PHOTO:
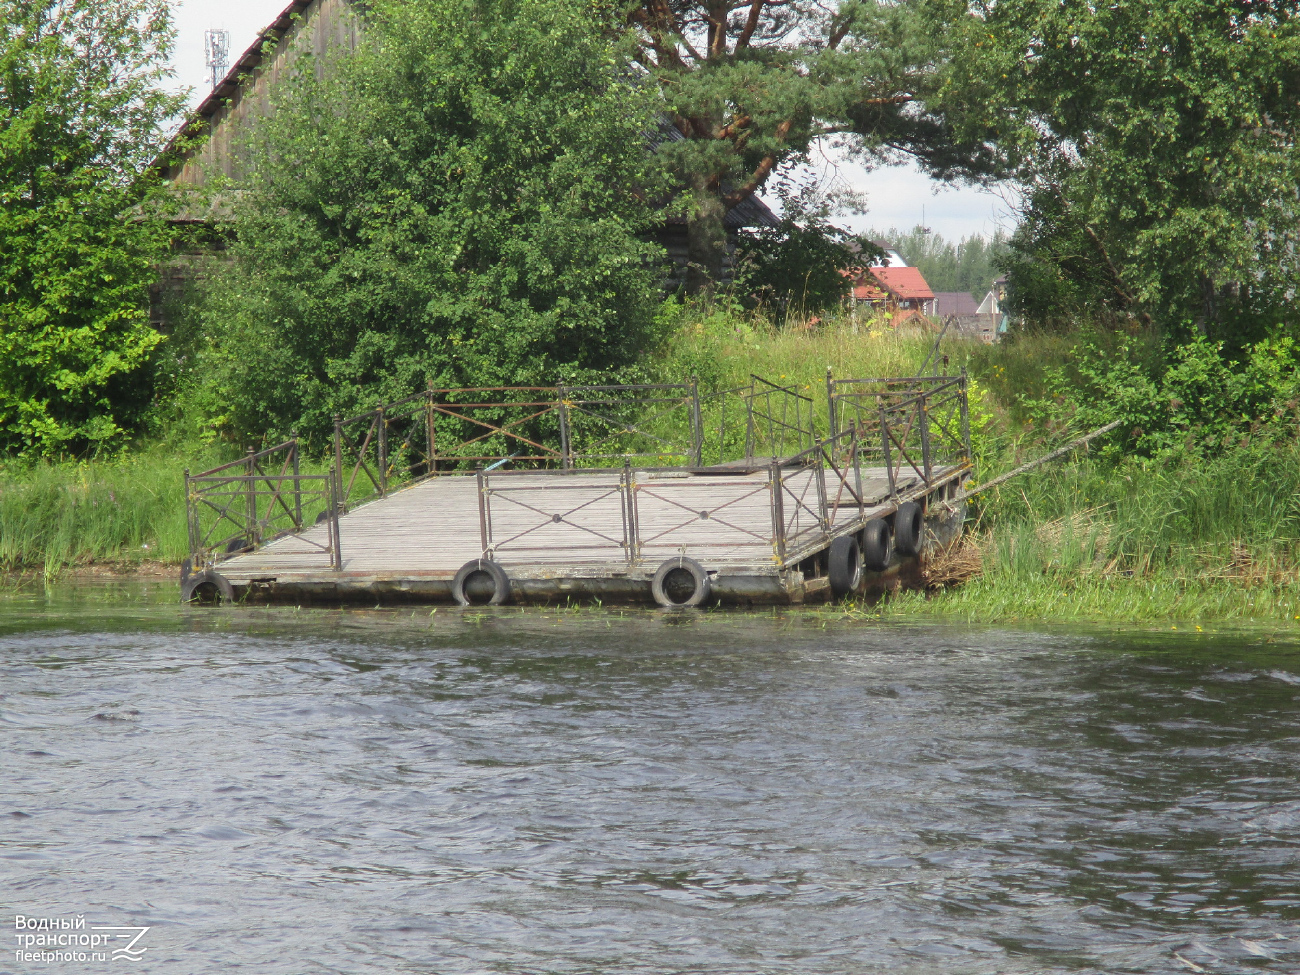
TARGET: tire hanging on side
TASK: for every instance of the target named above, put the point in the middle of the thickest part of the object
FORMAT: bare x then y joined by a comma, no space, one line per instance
909,525
471,585
680,583
208,586
877,545
844,565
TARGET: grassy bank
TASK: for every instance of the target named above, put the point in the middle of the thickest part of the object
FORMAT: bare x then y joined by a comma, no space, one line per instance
124,510
1182,538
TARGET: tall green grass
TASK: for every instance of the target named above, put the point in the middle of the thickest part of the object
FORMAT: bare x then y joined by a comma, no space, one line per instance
723,348
1160,597
127,509
1193,541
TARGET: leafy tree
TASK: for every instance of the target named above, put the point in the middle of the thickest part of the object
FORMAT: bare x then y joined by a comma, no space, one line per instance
1156,148
969,264
82,116
457,201
755,85
797,267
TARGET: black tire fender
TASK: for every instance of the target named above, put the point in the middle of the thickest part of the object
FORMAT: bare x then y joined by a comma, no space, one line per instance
467,588
207,586
668,583
877,545
844,565
909,523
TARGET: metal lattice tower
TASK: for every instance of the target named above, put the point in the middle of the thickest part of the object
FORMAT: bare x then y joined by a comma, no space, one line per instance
216,51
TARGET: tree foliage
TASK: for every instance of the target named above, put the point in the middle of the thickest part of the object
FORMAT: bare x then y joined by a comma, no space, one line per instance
755,85
797,267
83,115
1156,148
458,201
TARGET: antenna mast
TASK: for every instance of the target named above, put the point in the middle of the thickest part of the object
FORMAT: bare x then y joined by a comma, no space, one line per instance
216,52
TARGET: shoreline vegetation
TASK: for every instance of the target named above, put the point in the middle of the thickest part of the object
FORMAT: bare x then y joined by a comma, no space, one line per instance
1095,537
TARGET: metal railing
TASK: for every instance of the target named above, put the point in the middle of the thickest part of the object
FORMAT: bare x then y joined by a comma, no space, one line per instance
804,500
442,431
240,506
916,428
779,421
912,426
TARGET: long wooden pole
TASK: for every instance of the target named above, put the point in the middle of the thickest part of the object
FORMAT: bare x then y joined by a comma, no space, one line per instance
1025,468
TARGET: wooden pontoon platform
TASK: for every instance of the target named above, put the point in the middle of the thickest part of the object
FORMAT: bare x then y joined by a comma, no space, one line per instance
751,530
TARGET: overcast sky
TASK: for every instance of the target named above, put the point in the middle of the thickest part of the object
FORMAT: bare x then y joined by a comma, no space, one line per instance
896,196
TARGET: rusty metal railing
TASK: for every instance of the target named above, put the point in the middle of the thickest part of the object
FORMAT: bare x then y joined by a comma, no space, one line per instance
241,506
913,426
802,502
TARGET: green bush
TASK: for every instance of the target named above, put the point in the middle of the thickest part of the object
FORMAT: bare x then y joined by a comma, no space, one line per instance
83,115
1201,403
457,201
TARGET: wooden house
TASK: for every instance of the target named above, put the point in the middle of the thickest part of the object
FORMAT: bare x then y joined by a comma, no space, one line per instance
900,293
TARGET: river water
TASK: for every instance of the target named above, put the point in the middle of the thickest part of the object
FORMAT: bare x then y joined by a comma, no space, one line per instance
374,791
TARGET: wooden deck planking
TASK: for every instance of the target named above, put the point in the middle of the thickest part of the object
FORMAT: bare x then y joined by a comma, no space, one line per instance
432,527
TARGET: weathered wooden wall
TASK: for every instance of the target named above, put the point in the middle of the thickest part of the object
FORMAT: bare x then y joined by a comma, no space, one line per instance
323,28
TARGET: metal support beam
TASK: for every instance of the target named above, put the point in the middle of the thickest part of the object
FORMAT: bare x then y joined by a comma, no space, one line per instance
697,424
336,503
889,464
297,488
778,512
566,448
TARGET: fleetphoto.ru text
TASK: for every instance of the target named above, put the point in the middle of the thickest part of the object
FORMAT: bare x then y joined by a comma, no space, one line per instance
63,940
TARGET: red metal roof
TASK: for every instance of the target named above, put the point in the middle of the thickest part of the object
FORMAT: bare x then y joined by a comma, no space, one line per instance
903,282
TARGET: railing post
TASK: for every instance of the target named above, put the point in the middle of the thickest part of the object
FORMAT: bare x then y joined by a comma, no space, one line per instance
778,512
383,452
857,470
428,429
566,458
481,479
923,418
697,426
250,499
297,486
629,511
889,464
336,482
749,423
190,527
965,414
771,424
830,403
819,448
338,460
